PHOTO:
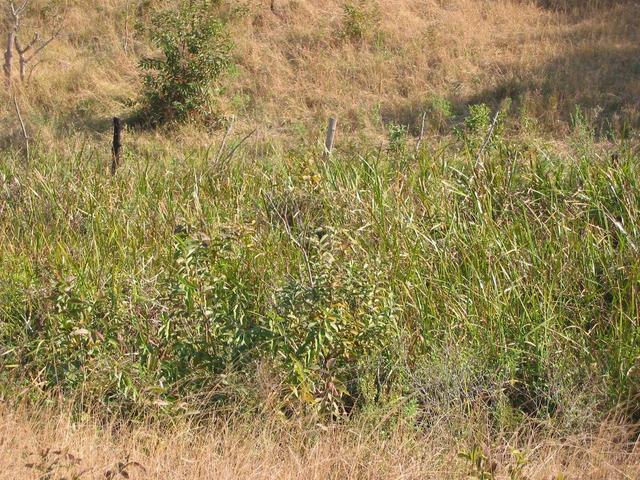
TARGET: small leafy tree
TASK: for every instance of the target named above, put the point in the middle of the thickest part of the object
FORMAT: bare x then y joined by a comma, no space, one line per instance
195,52
397,135
361,21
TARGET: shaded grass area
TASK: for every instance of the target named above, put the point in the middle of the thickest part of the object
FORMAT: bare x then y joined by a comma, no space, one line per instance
597,69
439,279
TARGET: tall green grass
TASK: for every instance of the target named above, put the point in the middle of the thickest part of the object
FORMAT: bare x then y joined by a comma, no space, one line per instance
438,278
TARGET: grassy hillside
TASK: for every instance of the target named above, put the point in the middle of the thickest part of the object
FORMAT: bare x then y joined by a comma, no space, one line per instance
382,63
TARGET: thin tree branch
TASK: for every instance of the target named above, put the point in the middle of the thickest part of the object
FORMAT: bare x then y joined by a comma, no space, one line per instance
21,51
17,11
44,45
32,68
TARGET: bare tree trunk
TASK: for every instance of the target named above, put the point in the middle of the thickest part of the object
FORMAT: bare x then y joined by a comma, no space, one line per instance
8,57
23,65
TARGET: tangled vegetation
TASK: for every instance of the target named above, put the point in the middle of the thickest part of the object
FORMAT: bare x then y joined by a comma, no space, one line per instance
439,278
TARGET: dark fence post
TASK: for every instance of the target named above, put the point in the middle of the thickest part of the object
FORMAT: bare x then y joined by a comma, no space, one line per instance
117,145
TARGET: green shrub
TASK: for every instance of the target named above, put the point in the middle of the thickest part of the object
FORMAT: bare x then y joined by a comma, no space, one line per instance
478,129
397,135
206,321
440,112
479,119
195,52
360,21
319,332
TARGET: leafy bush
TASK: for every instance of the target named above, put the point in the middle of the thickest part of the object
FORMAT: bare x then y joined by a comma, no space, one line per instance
479,118
205,321
397,135
320,331
360,21
440,112
478,126
196,52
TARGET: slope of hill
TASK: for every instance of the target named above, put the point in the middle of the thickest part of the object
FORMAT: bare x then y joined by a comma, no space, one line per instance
387,63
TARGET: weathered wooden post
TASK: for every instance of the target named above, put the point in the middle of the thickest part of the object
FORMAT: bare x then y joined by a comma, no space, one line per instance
117,144
331,135
419,142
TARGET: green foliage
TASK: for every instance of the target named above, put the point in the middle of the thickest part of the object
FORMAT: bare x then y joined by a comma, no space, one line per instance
479,119
439,112
354,284
195,52
516,469
360,22
320,330
479,128
481,467
208,310
397,135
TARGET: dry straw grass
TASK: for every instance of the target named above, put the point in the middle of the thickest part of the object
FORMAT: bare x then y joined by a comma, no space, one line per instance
39,445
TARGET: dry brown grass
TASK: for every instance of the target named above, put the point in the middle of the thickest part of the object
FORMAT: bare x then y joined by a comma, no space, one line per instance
462,50
46,445
295,69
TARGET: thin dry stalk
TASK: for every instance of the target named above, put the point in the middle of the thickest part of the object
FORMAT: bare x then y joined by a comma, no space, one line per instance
23,128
